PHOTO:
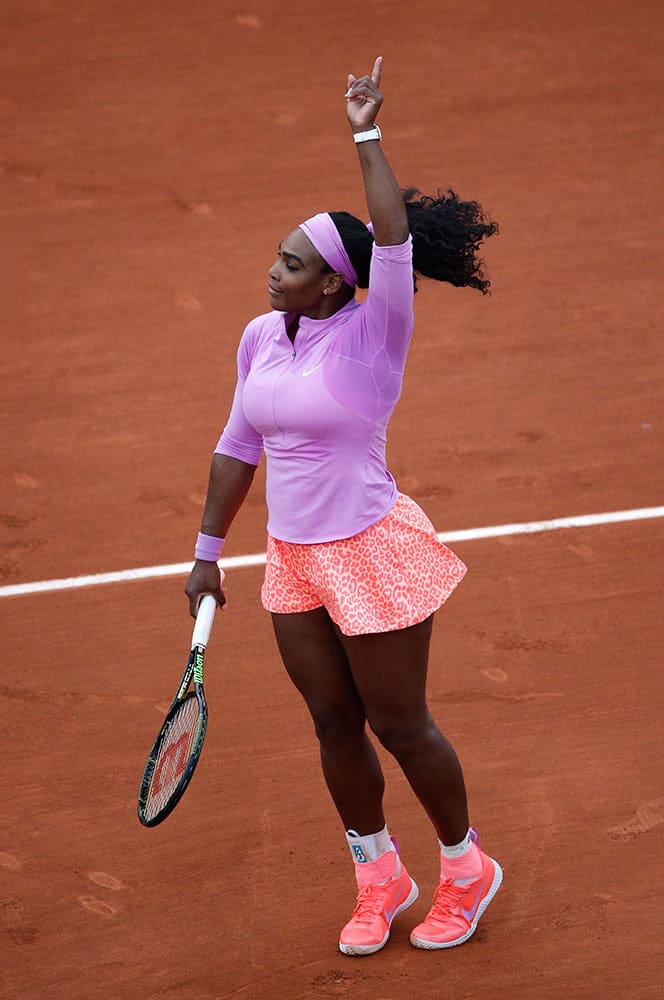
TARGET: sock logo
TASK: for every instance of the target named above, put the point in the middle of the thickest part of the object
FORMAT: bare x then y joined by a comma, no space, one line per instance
359,854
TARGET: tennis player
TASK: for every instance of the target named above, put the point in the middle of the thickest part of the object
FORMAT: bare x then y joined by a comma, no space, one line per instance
354,569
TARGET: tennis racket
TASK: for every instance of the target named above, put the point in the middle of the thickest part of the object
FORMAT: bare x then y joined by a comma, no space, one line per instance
178,746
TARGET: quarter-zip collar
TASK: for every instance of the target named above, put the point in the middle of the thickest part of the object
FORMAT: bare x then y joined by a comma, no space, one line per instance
310,331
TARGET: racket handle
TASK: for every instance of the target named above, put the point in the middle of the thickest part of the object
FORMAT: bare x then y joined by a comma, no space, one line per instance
204,619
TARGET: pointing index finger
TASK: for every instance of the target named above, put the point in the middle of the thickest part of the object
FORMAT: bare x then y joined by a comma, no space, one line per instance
375,72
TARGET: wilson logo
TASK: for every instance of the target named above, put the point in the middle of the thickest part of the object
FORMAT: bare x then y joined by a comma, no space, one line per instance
171,764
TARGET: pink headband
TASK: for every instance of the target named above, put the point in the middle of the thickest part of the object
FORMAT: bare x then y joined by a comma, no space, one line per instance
325,237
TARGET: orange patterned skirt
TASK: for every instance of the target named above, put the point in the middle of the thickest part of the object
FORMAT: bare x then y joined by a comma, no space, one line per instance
393,575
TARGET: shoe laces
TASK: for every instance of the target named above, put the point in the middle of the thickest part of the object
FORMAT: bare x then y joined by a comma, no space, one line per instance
446,897
369,901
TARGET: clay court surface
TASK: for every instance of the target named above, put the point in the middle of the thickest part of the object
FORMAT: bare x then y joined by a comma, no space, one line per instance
152,156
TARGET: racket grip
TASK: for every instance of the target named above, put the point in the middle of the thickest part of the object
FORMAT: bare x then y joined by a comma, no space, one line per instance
204,619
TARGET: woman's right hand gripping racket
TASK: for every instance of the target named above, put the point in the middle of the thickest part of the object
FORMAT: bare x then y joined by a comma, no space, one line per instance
178,746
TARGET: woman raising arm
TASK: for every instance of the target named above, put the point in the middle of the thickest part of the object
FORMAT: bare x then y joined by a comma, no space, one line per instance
354,569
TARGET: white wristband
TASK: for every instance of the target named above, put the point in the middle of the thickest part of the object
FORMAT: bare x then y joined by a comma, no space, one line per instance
372,133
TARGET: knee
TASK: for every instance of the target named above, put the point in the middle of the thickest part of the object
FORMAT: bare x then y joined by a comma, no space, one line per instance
338,729
403,737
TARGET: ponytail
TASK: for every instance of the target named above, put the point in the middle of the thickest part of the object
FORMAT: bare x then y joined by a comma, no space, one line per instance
447,234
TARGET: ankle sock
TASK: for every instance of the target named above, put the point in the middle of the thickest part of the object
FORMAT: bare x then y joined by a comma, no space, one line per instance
369,847
375,855
460,862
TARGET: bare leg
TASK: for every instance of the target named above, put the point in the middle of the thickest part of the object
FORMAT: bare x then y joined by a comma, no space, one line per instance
318,666
390,670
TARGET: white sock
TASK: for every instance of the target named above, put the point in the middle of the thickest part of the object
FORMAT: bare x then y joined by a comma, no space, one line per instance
369,847
460,862
456,850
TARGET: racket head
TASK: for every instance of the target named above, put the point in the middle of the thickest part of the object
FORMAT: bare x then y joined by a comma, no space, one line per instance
176,750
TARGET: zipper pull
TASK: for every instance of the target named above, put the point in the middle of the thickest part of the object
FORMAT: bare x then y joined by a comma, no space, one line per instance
293,355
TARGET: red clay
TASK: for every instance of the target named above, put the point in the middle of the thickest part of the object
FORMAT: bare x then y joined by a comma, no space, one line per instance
152,158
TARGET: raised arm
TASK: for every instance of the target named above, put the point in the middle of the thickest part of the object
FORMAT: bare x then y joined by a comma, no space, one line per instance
384,199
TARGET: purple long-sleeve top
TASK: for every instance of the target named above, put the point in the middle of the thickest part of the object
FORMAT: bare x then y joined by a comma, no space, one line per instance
319,407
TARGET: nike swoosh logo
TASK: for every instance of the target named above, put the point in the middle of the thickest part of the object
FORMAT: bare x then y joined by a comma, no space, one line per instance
470,914
304,374
389,914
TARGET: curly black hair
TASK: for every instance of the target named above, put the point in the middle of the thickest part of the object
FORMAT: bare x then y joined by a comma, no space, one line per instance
357,241
447,234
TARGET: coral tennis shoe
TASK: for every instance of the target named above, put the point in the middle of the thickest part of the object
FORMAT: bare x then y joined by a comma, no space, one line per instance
457,908
378,903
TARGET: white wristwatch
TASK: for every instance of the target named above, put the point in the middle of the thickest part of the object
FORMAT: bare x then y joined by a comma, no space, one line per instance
372,133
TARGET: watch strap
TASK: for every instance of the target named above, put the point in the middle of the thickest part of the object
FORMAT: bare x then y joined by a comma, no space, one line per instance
373,133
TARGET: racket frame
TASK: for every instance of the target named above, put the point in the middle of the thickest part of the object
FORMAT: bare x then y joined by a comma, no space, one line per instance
193,670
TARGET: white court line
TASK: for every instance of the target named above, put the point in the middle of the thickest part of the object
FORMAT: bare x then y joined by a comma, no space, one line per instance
239,562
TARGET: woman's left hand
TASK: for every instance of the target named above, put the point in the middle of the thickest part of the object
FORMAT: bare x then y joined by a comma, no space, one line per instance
363,98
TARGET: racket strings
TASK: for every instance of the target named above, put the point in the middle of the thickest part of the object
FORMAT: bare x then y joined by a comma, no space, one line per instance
173,755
